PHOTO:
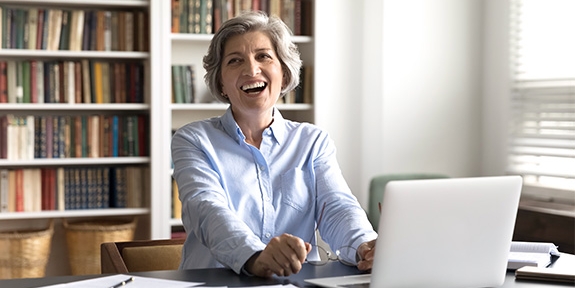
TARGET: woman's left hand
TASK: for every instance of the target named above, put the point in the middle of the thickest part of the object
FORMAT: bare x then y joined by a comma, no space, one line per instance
366,251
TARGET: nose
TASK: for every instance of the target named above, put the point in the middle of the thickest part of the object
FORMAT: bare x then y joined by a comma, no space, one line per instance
252,68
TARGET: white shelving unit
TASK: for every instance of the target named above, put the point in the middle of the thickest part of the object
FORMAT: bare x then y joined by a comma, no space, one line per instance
147,227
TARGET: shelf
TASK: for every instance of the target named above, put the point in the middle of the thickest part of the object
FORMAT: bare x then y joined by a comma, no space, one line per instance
74,161
72,107
207,37
206,106
59,54
83,3
176,222
74,213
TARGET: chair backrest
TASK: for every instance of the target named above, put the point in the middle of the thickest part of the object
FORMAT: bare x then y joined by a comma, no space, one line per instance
377,186
141,255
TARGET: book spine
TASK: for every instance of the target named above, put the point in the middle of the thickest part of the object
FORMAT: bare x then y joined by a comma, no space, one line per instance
4,190
32,28
40,96
3,136
25,83
3,82
40,29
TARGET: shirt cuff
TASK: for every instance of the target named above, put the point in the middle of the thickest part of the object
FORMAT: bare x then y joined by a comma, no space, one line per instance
243,270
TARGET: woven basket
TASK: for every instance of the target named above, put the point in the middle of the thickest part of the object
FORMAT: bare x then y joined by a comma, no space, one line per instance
84,240
24,254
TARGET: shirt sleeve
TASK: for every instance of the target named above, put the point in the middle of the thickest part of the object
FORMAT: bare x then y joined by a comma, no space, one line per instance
205,212
345,223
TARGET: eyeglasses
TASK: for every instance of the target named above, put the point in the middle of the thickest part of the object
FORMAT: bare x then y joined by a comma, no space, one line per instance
320,256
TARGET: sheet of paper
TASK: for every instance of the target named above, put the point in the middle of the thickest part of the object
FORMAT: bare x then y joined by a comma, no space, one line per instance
264,286
139,282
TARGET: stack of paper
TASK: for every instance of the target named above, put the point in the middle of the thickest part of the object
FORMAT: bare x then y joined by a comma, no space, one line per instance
536,254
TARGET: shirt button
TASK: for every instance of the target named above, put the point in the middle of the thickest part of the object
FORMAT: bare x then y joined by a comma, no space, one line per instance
268,235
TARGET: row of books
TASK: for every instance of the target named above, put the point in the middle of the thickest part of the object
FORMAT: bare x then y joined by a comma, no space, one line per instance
183,91
206,16
73,136
75,29
42,189
85,81
303,93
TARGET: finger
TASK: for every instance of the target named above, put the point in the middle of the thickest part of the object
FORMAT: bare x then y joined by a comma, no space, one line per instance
278,255
364,265
308,247
293,253
299,247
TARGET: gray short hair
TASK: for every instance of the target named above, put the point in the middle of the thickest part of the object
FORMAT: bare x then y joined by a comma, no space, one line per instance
250,21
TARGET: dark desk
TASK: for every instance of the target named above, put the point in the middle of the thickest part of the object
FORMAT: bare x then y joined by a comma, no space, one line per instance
225,277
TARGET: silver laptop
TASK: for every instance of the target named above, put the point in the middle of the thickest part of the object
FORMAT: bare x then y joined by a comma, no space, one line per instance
445,233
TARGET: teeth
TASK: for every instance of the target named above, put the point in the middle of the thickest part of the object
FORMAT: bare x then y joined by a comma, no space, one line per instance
253,85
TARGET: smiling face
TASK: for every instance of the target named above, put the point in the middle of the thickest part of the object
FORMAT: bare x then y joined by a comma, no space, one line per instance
252,74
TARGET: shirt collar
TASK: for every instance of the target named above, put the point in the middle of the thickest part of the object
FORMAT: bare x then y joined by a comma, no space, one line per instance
233,129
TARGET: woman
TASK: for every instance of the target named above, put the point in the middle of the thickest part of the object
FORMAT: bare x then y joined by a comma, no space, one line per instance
253,184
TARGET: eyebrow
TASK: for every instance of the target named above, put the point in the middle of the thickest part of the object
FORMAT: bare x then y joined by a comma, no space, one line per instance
257,50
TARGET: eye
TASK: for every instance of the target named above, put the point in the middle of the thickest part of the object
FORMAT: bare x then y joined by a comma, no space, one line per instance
234,60
264,56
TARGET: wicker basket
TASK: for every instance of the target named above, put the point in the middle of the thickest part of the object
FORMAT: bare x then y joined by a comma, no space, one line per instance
24,254
84,240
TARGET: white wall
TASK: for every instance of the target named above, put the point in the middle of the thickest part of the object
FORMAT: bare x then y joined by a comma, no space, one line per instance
404,95
338,78
431,86
495,86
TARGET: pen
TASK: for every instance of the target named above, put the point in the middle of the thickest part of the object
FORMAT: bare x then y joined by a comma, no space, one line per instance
123,282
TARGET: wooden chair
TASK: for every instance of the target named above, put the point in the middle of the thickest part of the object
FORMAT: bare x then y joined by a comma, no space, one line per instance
141,255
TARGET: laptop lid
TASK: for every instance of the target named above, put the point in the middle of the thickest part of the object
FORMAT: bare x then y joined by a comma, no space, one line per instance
446,232
453,232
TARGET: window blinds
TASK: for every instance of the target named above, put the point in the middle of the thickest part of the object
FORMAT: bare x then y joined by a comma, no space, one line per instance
542,128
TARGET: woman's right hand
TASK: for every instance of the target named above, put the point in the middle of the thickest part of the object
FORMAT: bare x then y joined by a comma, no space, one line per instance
283,256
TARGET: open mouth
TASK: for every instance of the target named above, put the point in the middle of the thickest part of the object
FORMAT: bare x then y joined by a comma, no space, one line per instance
254,87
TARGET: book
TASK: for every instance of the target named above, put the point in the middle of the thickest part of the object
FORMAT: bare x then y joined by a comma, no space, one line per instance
128,31
25,82
64,41
40,29
545,274
11,85
76,30
33,28
3,136
87,30
86,81
4,190
177,86
54,29
33,81
3,82
536,254
175,16
40,97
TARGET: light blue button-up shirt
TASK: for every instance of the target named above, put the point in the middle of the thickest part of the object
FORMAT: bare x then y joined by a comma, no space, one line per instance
236,197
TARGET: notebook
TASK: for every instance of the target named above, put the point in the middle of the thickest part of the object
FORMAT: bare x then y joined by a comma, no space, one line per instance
453,232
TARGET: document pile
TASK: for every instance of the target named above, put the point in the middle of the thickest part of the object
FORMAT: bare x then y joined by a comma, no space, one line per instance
536,254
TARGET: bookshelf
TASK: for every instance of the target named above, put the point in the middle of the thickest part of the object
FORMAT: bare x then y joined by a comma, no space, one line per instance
188,49
140,58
